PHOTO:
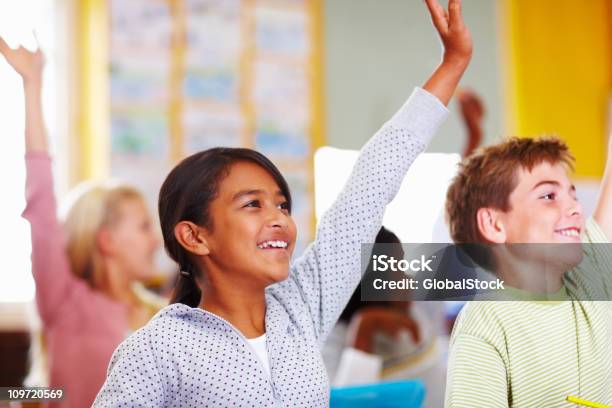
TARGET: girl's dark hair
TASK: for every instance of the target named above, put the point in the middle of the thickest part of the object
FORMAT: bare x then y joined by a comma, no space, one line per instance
186,195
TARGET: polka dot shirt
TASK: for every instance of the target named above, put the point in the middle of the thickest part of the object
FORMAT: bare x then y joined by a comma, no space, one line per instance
188,357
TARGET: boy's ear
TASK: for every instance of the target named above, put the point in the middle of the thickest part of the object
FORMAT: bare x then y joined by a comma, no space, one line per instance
490,225
191,237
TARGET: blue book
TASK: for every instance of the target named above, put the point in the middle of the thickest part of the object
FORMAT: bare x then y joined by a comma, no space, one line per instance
392,394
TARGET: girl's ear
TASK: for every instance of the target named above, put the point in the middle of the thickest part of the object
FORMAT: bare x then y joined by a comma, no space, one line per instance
490,226
191,237
104,241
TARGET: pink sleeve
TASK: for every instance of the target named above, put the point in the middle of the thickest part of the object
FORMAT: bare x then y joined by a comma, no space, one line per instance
50,267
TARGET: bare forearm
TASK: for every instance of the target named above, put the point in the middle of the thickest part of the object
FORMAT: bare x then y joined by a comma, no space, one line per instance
603,209
473,140
35,132
443,82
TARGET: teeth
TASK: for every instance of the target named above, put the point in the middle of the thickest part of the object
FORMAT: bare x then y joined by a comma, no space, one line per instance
273,244
569,232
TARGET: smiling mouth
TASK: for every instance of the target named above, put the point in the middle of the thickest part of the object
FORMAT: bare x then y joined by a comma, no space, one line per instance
279,244
571,232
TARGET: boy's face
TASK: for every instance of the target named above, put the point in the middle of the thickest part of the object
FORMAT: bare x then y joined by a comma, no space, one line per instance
544,208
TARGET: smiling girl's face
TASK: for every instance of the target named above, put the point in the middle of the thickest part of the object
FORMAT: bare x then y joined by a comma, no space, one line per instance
252,234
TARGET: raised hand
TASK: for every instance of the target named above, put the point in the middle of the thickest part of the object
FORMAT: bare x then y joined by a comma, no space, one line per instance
26,63
472,111
30,66
454,34
457,43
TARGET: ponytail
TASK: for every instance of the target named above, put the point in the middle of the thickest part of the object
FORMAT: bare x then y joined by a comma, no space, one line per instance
186,290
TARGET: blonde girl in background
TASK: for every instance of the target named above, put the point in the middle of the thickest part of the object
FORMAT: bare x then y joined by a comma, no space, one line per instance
85,269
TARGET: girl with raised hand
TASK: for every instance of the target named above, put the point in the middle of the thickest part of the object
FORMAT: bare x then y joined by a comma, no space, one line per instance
85,269
246,326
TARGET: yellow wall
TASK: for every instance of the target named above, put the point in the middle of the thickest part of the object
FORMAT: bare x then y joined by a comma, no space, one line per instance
92,91
558,73
317,102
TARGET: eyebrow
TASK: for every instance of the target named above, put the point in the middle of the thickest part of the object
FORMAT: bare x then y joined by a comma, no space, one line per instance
554,183
243,193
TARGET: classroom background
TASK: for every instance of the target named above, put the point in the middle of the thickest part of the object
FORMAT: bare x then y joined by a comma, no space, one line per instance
132,87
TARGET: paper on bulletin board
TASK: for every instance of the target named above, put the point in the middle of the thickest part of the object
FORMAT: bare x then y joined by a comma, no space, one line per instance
139,72
212,114
140,25
212,68
281,95
214,26
135,80
207,127
140,132
140,40
277,83
282,31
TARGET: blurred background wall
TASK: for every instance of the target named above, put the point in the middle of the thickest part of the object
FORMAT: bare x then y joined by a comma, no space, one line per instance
376,52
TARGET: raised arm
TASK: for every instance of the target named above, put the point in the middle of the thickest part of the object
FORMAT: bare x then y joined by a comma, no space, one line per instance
49,263
330,268
29,65
472,111
603,209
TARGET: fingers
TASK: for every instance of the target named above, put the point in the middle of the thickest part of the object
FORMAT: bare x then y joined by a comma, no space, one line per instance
455,14
3,46
438,15
466,95
472,101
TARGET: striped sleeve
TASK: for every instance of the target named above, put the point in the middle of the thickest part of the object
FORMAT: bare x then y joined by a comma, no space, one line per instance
476,374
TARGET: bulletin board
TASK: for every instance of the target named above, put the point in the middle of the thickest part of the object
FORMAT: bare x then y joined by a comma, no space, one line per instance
187,75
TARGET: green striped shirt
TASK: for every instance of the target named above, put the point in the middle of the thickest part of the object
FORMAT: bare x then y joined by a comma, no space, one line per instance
535,354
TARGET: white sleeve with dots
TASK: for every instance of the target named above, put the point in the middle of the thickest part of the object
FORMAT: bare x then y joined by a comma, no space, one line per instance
330,268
